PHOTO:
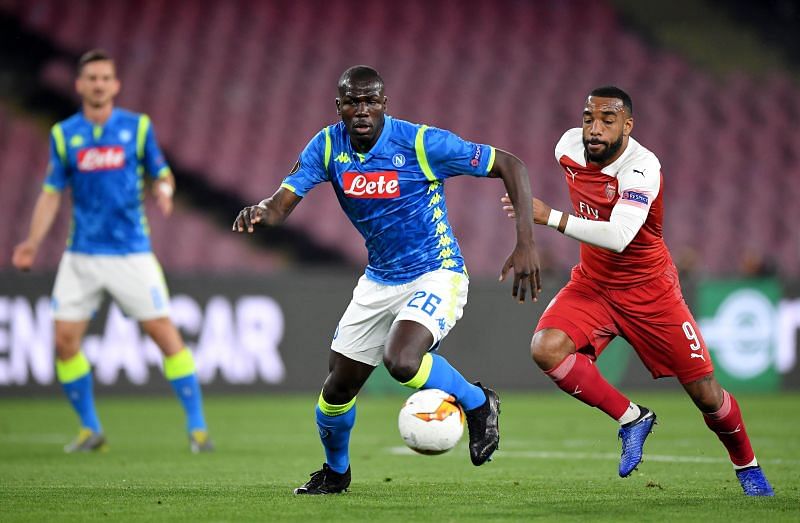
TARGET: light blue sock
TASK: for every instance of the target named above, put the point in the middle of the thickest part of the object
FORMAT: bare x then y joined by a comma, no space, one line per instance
334,432
81,394
188,391
445,377
180,371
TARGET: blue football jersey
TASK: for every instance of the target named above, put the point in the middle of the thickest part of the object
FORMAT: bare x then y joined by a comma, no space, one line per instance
104,167
394,194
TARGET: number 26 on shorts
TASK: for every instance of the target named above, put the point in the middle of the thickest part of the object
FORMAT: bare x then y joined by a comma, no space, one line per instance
427,305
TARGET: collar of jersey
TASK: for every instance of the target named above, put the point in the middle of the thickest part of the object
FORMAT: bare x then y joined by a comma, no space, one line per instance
110,121
382,139
613,168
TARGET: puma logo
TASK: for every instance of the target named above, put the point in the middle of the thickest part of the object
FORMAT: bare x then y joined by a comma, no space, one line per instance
738,429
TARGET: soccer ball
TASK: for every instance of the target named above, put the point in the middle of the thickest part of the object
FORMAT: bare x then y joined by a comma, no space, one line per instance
431,421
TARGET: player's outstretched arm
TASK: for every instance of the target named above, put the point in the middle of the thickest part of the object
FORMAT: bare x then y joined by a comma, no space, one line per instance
614,235
272,211
541,212
524,259
43,216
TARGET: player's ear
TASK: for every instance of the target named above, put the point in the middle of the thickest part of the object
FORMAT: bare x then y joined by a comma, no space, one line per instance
627,126
338,107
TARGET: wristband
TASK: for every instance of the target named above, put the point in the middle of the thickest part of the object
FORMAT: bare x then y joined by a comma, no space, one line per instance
554,219
166,189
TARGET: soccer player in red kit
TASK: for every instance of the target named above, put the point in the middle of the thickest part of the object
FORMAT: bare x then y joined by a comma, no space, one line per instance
626,285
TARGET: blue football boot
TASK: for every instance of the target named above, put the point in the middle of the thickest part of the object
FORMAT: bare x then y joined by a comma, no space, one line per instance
633,436
754,482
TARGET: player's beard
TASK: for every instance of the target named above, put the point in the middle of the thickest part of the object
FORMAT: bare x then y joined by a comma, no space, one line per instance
610,150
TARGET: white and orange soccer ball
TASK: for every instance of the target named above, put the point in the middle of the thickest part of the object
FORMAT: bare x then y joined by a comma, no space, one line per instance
431,421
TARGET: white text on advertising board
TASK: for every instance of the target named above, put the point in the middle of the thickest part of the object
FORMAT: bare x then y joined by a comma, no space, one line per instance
235,341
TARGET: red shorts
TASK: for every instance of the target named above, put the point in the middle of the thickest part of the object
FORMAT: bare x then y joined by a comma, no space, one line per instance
653,317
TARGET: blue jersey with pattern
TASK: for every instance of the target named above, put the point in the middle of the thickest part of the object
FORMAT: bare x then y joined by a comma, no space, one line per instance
394,194
104,166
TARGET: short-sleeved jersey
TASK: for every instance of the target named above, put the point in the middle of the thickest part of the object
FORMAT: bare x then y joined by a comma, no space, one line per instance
633,179
104,167
394,194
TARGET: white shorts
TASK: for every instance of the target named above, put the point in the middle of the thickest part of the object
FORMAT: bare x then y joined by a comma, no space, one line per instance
134,281
435,300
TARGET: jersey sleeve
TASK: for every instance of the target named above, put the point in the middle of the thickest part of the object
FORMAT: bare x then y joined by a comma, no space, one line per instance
311,168
638,184
442,154
570,145
148,150
56,178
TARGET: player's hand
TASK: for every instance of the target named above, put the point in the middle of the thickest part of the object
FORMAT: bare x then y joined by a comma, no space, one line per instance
525,262
24,255
249,216
541,211
163,191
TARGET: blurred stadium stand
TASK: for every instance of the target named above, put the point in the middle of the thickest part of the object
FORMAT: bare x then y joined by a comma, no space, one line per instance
237,88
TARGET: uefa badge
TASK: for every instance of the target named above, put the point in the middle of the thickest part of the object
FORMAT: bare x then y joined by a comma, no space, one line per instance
398,160
611,191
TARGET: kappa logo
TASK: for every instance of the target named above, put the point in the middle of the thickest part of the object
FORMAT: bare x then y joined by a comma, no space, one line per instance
76,141
101,158
371,185
343,158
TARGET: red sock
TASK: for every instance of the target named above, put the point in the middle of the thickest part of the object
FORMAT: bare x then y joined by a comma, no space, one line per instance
578,376
728,425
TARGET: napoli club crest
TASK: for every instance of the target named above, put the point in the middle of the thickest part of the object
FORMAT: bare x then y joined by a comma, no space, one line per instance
398,160
611,191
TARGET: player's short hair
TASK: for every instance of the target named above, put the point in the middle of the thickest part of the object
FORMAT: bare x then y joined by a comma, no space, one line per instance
93,55
612,91
360,74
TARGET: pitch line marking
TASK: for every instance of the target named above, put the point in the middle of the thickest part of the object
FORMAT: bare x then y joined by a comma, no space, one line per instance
604,456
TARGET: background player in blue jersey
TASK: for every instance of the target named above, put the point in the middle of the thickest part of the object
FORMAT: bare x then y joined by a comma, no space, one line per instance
101,154
388,176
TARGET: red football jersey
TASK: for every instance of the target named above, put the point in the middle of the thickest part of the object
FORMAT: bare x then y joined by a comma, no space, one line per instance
633,179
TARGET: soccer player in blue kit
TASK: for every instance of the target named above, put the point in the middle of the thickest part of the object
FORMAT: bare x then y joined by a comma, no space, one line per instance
388,176
101,154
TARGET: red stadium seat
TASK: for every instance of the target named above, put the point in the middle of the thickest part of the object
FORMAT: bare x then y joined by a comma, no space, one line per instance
238,107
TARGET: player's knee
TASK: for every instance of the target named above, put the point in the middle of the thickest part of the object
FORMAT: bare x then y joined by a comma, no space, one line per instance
401,368
706,393
338,393
67,344
549,347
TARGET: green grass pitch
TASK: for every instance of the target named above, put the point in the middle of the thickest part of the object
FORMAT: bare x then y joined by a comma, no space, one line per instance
558,462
